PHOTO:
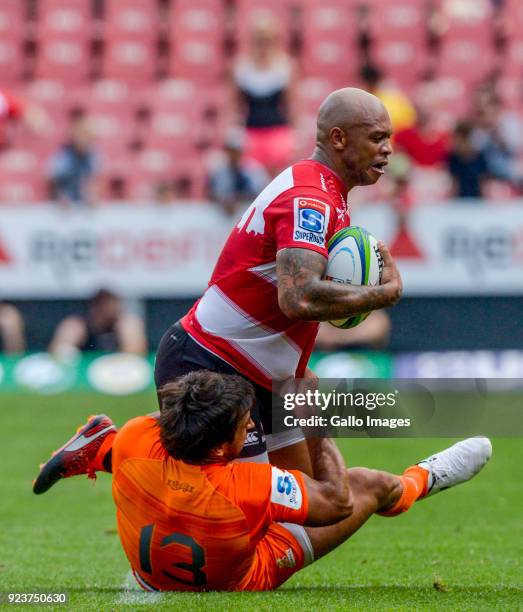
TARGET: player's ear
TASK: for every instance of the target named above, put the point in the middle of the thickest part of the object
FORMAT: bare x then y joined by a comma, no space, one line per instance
338,138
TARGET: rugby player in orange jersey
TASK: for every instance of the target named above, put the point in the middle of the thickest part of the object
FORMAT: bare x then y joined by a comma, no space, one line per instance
191,518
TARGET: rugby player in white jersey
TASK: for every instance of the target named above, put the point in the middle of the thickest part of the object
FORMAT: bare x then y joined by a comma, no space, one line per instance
259,315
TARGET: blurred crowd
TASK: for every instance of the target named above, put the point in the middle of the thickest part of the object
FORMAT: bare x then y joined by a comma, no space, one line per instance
105,325
269,87
108,325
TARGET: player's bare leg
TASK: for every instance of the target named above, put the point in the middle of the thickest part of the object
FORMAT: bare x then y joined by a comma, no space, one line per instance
372,491
389,495
293,457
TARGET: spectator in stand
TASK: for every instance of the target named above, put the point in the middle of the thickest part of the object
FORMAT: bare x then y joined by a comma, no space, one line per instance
12,331
73,168
425,144
106,328
235,180
372,334
14,109
466,164
264,79
498,134
401,111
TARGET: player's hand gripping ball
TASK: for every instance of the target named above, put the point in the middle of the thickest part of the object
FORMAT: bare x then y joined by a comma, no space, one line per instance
354,259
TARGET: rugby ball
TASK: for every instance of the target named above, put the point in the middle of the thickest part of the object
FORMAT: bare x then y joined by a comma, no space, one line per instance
354,259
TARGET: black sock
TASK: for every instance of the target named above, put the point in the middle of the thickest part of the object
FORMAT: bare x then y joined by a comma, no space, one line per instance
108,462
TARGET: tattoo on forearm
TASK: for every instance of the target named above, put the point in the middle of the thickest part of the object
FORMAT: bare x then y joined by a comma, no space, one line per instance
303,291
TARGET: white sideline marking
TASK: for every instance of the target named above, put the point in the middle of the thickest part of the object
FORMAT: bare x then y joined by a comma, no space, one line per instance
132,594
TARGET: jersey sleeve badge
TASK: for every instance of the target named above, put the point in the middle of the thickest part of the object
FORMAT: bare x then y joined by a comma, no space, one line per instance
285,489
311,219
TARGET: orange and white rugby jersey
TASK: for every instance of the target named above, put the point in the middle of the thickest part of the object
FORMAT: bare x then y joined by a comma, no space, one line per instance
189,527
238,317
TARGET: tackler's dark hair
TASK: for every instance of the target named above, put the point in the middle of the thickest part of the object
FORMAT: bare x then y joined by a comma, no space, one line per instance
200,411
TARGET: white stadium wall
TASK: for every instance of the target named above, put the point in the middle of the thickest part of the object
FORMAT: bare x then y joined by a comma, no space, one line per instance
458,249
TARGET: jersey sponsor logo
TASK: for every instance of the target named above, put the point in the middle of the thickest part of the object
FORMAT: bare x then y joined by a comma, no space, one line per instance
285,489
311,218
288,559
177,485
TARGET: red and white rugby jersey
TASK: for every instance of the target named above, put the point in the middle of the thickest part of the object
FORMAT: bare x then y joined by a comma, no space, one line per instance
238,317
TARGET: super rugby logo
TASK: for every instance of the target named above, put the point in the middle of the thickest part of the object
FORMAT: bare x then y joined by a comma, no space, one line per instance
311,218
285,489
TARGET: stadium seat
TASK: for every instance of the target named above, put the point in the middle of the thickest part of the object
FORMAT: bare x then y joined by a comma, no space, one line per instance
63,60
513,19
173,130
11,60
452,99
12,35
468,60
131,19
511,91
398,19
64,19
112,131
513,59
133,61
155,162
64,30
110,94
402,60
12,19
16,189
197,39
21,177
130,34
329,40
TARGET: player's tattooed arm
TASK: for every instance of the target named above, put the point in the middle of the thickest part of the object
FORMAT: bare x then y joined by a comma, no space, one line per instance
304,295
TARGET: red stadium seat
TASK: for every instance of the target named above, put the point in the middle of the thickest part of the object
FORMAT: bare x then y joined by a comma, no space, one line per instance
329,40
196,39
64,36
452,99
133,61
130,33
510,89
513,60
110,94
16,189
112,131
157,162
63,19
398,19
12,32
468,60
173,130
12,19
131,19
64,60
21,177
513,19
402,60
11,60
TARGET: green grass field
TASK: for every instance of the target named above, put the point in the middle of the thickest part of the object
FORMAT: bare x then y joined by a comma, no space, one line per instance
461,550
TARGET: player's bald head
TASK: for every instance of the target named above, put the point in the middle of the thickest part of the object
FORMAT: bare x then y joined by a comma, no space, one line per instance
353,136
347,108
